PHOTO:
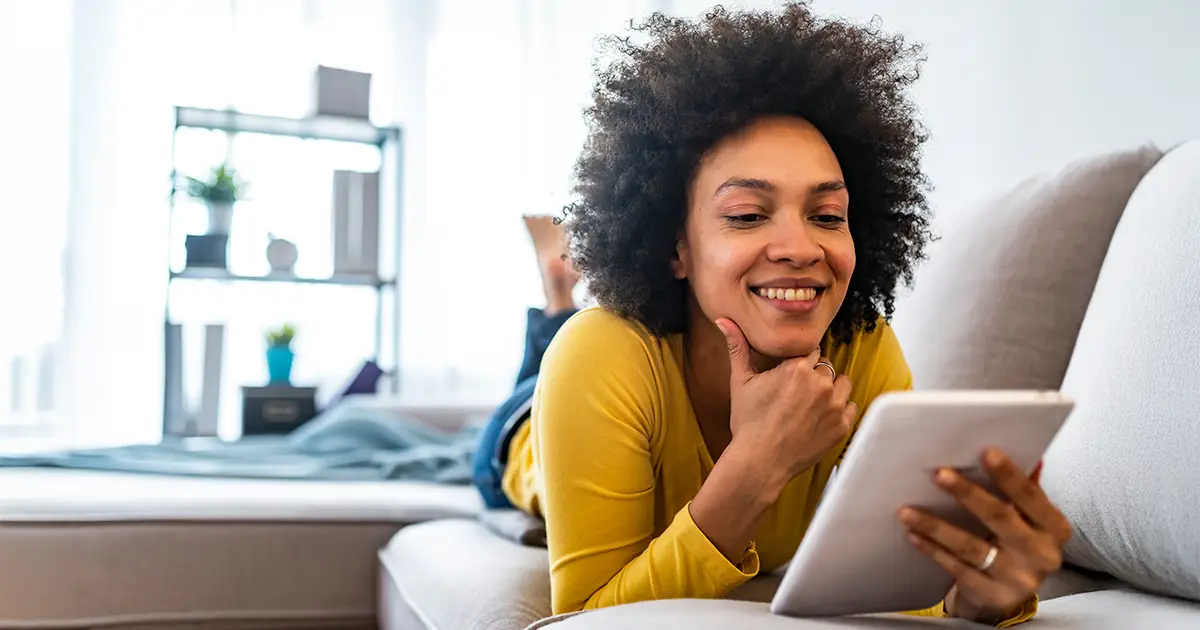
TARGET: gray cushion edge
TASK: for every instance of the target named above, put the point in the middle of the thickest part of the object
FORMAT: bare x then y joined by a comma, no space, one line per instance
549,621
388,575
197,617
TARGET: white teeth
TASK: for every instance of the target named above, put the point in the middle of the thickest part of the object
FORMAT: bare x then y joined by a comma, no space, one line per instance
790,295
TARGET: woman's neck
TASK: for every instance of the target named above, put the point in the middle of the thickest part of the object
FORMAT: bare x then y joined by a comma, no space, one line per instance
706,372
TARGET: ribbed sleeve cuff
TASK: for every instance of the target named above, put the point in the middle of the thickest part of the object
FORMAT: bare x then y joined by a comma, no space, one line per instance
1028,610
723,573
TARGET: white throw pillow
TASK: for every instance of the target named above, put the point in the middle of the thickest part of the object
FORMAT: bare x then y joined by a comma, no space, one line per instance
1126,467
999,303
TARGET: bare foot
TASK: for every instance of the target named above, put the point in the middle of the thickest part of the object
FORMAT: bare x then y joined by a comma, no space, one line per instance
558,277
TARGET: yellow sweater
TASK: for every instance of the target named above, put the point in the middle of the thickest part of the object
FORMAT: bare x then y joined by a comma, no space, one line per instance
613,455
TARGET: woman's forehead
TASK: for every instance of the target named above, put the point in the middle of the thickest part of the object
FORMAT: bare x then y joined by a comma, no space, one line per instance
774,155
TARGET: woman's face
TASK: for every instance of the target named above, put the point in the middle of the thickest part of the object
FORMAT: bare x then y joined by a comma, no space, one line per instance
767,242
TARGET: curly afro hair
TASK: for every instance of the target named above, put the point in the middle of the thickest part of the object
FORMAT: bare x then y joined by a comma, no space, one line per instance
661,105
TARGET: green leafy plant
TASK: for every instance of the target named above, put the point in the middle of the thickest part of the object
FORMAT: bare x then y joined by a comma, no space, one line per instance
223,186
281,337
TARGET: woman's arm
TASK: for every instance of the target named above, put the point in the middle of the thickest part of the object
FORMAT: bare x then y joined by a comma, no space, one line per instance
593,427
734,499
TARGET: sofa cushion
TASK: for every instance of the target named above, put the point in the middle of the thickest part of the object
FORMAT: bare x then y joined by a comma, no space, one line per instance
457,575
1124,467
702,614
86,549
1118,610
999,302
1102,610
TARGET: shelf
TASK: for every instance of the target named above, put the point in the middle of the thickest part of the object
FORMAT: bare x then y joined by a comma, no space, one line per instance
356,280
314,128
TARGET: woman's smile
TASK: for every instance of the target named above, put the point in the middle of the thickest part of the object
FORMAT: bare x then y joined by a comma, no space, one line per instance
796,295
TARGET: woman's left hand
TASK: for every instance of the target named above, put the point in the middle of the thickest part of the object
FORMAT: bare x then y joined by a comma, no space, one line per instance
1028,536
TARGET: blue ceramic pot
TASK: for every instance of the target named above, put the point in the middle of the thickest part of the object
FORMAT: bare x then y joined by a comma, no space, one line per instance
279,365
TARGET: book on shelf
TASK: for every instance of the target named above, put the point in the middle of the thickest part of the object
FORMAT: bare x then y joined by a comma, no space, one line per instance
355,223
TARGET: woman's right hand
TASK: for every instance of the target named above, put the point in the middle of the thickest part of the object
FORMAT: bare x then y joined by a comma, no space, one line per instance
786,417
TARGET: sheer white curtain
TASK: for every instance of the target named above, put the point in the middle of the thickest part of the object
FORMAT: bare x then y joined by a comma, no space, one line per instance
490,94
505,88
132,62
34,112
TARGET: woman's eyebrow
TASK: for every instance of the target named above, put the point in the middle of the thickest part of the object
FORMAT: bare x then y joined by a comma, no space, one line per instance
754,183
832,185
750,183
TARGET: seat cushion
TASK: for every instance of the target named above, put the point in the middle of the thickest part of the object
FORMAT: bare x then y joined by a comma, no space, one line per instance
702,614
1102,610
1118,610
457,575
85,548
999,302
1124,467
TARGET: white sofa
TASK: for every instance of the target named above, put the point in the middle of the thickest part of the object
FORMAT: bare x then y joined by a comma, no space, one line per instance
1086,280
90,549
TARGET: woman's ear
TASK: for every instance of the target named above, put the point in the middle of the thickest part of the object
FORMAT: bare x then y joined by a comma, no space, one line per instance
678,268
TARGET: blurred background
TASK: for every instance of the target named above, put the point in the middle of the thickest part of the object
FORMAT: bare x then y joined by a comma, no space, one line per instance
473,118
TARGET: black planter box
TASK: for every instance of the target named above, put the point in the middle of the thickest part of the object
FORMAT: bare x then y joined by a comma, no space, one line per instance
276,409
206,250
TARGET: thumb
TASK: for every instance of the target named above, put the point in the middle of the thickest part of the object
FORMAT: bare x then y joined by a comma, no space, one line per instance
740,367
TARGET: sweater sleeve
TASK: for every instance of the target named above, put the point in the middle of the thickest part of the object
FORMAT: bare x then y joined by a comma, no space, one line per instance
594,421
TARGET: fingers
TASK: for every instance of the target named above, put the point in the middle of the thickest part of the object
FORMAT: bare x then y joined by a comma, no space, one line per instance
849,415
966,547
1002,518
740,366
841,389
809,360
999,516
1027,496
985,590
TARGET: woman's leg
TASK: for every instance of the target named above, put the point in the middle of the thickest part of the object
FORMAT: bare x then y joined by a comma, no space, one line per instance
558,281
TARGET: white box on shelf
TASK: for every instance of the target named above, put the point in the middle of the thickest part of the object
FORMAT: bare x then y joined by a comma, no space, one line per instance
339,92
210,395
174,404
355,223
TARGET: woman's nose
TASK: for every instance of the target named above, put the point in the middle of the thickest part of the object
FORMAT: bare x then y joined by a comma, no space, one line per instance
793,242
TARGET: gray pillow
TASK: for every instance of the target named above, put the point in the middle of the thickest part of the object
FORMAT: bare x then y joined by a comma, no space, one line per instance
1125,469
999,303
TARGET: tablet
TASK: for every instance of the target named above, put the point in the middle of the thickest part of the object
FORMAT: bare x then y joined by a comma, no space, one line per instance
855,557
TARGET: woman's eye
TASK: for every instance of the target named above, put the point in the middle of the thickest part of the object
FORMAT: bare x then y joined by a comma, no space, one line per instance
830,219
745,219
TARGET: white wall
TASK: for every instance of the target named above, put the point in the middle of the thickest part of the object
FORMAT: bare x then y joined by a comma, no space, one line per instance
492,96
1013,87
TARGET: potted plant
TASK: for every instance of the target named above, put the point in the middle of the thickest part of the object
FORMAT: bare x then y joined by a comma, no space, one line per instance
219,192
280,355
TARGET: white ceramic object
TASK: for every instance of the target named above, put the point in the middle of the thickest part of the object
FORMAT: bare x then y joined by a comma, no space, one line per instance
220,217
282,255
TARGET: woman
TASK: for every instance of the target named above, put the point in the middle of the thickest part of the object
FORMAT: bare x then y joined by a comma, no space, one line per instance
750,196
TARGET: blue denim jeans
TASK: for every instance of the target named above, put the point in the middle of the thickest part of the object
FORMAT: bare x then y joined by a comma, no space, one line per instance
491,456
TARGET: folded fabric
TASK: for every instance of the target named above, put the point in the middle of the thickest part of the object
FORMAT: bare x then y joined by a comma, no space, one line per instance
348,442
516,526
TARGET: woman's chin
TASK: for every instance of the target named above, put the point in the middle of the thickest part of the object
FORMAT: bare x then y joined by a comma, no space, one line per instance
784,349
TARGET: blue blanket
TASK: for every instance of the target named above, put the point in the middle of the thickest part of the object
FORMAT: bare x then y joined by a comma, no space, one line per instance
348,442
